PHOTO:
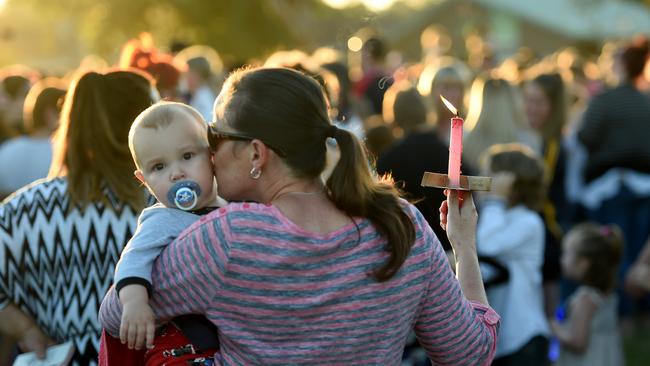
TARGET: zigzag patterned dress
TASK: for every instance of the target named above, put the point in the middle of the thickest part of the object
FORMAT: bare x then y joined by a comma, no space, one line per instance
57,264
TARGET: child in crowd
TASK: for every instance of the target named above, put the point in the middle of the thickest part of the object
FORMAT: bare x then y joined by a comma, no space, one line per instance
590,335
512,233
169,144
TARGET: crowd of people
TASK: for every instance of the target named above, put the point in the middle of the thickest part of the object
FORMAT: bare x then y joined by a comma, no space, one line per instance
173,208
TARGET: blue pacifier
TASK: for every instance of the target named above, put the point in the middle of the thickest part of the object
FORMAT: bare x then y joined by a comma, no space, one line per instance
184,194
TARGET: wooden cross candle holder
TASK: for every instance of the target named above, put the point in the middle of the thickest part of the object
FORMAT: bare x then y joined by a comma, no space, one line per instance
467,182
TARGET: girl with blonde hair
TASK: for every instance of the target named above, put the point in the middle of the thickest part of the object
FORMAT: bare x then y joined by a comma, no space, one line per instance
495,116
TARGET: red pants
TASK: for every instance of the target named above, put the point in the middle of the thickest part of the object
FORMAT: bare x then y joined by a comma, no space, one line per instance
173,348
167,348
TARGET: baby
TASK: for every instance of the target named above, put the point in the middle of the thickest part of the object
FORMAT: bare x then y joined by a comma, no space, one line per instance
169,144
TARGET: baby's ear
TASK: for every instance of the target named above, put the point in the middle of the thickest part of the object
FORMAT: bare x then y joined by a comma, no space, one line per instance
138,175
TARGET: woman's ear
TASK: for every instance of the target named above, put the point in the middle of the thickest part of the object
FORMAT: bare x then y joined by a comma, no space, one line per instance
259,153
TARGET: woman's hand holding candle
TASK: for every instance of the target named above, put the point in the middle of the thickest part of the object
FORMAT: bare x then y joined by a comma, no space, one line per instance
459,220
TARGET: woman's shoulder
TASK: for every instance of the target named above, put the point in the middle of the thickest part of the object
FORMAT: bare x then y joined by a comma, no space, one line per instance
420,224
234,208
412,211
44,198
242,213
43,190
253,214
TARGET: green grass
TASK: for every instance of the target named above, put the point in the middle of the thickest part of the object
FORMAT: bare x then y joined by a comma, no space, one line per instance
637,347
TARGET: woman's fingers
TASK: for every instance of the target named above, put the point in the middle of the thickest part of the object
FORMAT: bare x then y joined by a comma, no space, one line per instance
443,214
468,203
452,199
468,211
34,340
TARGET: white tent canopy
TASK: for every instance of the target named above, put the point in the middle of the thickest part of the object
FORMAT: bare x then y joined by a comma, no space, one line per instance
581,19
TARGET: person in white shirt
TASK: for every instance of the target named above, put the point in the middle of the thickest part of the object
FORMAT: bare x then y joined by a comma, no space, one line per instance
202,95
27,158
512,233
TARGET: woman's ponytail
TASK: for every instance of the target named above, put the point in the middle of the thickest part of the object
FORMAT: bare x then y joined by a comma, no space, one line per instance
353,190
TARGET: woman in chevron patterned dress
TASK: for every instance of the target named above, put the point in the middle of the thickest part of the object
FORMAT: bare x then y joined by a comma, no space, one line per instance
61,237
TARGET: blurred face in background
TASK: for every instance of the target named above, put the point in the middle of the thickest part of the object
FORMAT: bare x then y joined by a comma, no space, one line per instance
4,102
573,266
193,80
538,107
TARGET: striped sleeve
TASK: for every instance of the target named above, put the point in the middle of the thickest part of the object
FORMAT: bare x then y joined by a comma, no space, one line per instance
185,276
453,330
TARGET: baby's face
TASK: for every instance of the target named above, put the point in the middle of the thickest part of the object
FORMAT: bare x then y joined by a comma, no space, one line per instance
177,152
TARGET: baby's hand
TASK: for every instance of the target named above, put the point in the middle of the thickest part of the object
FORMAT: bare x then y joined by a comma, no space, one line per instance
138,324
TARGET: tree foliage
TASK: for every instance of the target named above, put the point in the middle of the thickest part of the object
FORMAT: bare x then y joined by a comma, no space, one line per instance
244,28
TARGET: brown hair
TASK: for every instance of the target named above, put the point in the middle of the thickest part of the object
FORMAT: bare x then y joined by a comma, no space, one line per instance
287,109
404,106
162,114
553,87
635,56
376,48
139,54
528,187
44,96
602,246
90,145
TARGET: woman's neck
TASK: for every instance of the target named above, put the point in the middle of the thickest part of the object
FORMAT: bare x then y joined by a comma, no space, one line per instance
307,205
298,189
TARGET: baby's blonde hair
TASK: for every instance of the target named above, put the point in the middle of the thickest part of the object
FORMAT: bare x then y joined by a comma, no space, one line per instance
160,115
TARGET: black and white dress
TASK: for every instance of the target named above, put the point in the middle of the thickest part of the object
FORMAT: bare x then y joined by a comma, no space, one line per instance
57,262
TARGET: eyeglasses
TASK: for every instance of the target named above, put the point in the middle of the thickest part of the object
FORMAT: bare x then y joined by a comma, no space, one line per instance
215,137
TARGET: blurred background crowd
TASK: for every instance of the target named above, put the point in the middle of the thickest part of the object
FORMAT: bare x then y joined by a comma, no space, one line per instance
568,79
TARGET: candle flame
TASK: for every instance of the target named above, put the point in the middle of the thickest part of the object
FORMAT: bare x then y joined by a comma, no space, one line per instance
449,106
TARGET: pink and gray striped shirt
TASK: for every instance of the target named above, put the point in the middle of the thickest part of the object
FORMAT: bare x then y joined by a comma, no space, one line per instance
282,295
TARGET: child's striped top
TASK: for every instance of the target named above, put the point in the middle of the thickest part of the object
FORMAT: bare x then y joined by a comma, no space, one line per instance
282,295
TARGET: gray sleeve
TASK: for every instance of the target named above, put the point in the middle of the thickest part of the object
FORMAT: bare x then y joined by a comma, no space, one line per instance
157,227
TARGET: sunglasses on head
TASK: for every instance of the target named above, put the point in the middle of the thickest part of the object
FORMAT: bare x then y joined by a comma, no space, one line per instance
215,137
